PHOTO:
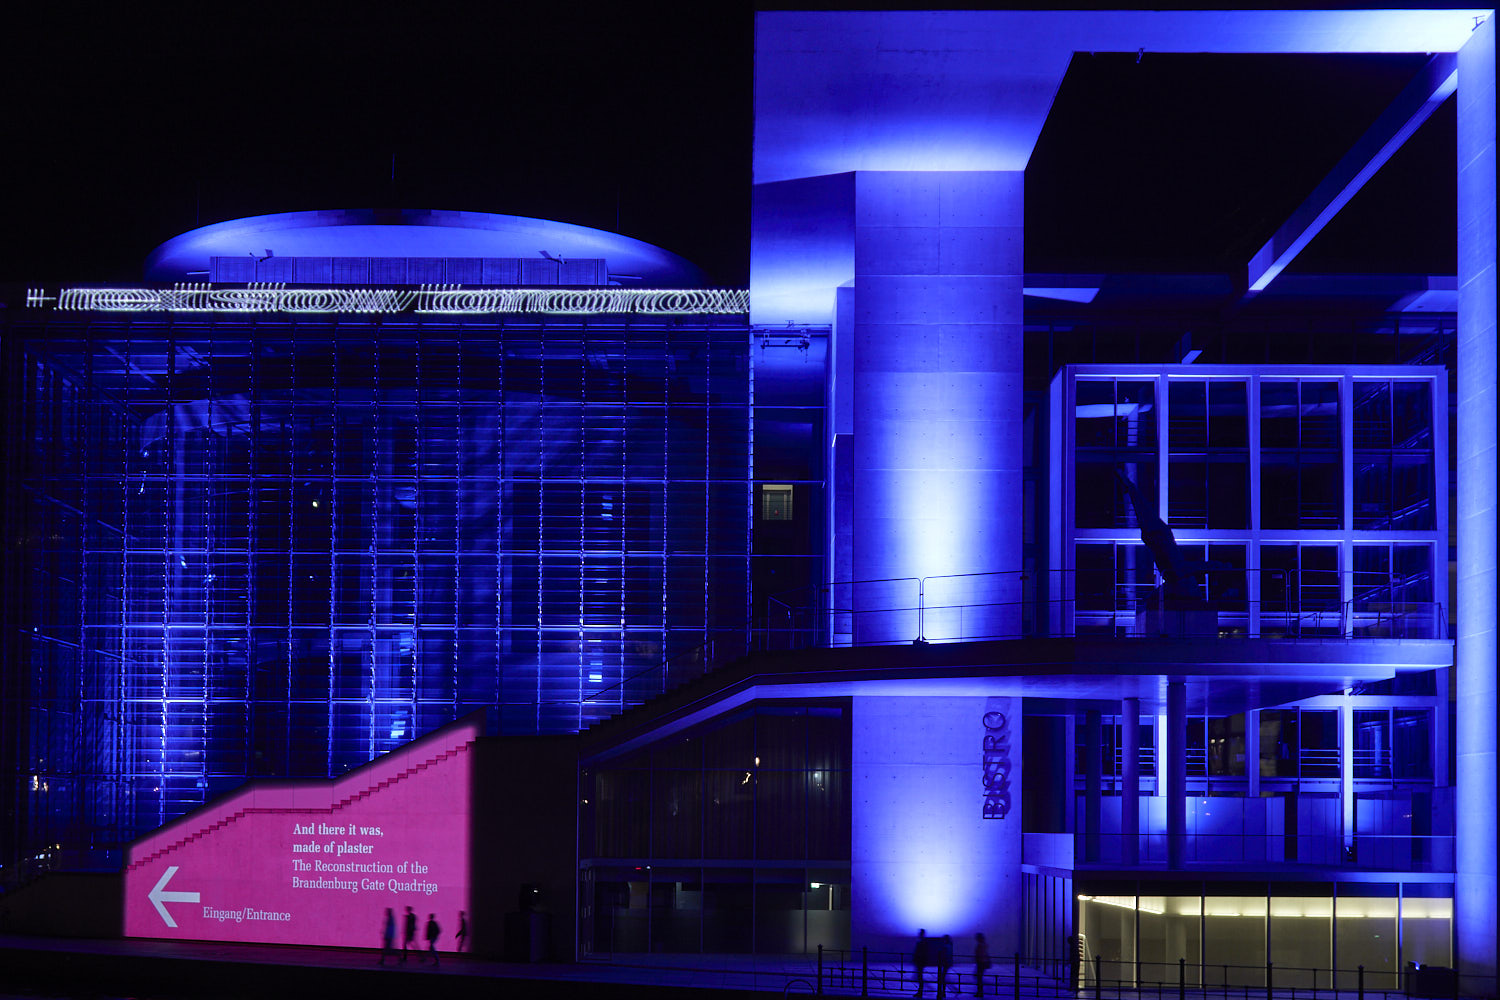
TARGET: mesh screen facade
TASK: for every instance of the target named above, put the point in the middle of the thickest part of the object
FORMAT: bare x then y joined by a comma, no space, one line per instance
280,547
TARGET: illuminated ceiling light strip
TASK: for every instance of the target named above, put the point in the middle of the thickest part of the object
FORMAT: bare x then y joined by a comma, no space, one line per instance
449,300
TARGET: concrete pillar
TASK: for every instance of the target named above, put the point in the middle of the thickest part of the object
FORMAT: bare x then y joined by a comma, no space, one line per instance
929,848
1175,767
1346,773
1130,780
1070,772
1252,753
937,402
1091,783
1476,888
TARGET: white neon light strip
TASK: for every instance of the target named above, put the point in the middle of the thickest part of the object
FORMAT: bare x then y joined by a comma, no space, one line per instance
447,300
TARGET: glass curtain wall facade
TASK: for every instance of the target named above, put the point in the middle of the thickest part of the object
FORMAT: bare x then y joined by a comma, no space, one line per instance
282,546
1317,935
730,838
1314,500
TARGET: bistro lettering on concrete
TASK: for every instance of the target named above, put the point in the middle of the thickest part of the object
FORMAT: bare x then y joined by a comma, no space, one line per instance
996,765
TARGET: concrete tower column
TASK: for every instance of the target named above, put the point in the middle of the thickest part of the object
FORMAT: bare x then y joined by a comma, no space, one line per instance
937,402
1175,767
1476,886
1092,760
1130,780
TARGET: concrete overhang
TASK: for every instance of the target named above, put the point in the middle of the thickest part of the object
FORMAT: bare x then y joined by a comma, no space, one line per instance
1223,676
839,93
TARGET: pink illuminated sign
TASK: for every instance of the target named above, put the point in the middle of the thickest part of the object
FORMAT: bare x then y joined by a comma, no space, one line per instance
316,862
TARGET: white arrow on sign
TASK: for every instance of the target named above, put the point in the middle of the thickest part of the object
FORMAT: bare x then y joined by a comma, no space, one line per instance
159,895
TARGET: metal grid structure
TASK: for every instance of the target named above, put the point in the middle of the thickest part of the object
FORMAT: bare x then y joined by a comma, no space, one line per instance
283,545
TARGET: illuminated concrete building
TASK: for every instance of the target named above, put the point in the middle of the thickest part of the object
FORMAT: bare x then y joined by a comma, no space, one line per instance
917,485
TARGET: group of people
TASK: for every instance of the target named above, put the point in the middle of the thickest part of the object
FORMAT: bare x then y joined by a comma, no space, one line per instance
433,932
938,953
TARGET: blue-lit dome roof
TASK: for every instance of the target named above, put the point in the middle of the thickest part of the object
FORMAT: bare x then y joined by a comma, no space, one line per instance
416,233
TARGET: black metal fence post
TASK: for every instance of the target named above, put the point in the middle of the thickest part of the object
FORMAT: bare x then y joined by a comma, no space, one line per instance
864,970
820,970
1269,966
1181,978
1361,982
1098,980
1016,978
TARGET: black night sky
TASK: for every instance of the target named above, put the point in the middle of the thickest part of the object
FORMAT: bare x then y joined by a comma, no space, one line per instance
126,125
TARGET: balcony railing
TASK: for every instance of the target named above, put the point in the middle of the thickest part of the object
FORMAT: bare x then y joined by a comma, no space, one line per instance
1013,605
1089,972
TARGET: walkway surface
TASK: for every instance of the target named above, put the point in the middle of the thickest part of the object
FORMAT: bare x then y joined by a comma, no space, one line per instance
59,967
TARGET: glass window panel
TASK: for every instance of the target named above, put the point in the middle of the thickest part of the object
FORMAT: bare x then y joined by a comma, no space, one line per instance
1107,928
1372,414
729,814
677,813
1365,934
1301,936
1135,421
1278,414
1320,414
728,905
1187,404
780,814
1228,414
827,903
780,919
1426,928
676,910
1411,426
1234,940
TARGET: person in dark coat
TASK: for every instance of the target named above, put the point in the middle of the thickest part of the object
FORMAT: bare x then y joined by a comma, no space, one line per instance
921,957
410,937
944,963
981,963
433,930
388,935
462,937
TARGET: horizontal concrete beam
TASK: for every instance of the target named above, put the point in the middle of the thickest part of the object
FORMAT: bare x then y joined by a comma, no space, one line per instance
1413,106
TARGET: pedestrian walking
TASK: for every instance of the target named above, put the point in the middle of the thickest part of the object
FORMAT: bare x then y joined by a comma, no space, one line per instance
410,937
433,930
388,935
921,955
981,963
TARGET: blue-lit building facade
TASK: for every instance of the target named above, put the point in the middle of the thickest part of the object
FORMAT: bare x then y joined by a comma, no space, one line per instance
1132,620
282,542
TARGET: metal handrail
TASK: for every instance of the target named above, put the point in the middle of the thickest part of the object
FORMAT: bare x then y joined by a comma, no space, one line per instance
1147,611
1074,976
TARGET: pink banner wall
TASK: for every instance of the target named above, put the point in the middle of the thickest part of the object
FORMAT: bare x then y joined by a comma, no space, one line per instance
316,863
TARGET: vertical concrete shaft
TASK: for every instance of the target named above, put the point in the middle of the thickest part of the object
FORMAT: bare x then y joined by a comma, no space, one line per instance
1176,769
1346,774
937,401
1252,753
1091,783
1130,780
1476,887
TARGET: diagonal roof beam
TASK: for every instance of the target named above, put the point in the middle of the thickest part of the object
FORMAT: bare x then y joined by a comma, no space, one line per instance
1396,124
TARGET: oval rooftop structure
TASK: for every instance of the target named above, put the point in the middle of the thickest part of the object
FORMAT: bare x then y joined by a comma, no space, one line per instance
417,233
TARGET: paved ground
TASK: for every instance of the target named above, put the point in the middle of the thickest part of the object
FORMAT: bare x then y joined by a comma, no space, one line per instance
57,967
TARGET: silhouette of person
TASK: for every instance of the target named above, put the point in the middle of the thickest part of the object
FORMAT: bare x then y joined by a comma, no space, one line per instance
944,962
410,938
981,963
433,930
388,935
462,937
921,957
